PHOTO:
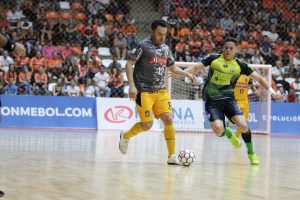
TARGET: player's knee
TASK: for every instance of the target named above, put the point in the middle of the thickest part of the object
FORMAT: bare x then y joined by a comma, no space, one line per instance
146,125
218,130
167,119
243,127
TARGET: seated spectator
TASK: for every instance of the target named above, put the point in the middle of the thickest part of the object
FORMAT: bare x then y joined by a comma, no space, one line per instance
102,37
296,62
70,74
58,89
218,34
13,17
5,61
292,97
187,55
128,29
31,42
46,33
37,62
195,45
265,49
94,64
278,74
22,62
296,84
226,22
120,46
115,63
55,65
257,58
82,68
278,47
101,79
179,48
4,22
11,88
73,89
133,42
24,81
283,94
89,89
66,51
72,33
40,85
239,27
49,49
116,83
208,43
11,73
272,35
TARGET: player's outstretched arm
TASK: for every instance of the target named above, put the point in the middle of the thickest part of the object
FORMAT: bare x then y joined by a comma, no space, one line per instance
179,72
129,73
16,49
264,83
196,69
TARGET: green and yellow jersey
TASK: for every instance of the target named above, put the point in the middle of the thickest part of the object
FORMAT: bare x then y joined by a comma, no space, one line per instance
222,76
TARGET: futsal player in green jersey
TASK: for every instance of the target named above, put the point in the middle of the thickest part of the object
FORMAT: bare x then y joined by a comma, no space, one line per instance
218,94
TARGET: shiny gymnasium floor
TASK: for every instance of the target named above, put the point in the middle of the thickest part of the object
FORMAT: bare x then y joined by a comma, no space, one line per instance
71,165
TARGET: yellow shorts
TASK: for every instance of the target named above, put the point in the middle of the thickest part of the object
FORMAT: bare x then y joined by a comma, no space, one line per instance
149,103
244,106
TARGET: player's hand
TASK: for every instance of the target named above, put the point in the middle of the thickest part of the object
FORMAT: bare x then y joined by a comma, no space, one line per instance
132,93
19,50
192,78
276,96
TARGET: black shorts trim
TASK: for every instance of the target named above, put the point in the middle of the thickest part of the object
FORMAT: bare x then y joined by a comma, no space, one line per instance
218,109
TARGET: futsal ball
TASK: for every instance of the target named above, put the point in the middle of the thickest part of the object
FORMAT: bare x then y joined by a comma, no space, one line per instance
186,157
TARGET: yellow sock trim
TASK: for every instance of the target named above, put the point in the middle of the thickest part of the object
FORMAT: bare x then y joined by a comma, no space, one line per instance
169,132
135,129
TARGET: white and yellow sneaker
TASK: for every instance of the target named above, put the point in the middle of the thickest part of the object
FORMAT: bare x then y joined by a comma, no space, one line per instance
123,144
173,160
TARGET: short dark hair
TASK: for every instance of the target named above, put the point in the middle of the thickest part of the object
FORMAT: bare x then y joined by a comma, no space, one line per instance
230,39
157,23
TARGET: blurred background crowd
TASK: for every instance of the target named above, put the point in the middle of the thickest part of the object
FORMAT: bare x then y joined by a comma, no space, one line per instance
79,48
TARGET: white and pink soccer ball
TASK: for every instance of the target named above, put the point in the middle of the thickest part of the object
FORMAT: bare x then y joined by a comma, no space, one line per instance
186,157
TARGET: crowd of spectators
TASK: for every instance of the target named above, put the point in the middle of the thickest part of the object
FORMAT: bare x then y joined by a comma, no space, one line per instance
63,41
267,31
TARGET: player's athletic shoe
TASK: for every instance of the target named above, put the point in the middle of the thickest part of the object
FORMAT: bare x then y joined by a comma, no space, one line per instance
254,160
234,140
123,144
173,160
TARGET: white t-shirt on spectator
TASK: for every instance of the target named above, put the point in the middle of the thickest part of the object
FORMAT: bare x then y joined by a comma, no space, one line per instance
101,31
276,72
101,79
296,62
89,91
73,90
5,62
272,36
14,17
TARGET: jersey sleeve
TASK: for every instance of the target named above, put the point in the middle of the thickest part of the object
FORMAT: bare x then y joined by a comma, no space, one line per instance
208,60
245,68
170,59
136,53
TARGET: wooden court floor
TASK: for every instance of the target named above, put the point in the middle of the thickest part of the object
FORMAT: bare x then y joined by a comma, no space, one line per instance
71,165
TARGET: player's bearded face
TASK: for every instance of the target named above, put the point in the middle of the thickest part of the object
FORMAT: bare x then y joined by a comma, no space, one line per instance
159,35
229,50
